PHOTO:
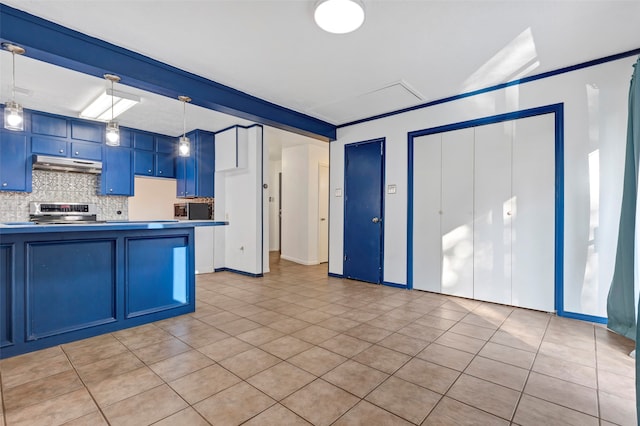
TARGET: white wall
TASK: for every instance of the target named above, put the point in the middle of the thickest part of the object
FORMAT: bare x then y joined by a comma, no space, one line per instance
595,102
275,168
241,245
300,202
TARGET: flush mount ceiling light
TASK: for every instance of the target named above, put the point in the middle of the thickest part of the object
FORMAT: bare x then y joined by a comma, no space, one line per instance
13,116
100,108
184,145
113,130
339,16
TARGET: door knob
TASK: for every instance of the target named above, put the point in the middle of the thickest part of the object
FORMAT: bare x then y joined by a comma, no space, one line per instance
376,220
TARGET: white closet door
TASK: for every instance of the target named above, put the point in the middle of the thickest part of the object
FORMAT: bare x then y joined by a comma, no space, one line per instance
457,213
533,219
427,168
492,219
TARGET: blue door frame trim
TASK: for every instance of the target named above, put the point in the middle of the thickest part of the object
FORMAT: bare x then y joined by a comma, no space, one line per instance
58,45
552,73
384,149
558,111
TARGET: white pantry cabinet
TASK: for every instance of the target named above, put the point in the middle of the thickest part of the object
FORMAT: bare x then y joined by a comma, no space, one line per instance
232,147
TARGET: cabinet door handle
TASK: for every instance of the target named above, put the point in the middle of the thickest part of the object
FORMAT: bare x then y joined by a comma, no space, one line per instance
61,151
159,172
77,153
149,171
110,189
4,184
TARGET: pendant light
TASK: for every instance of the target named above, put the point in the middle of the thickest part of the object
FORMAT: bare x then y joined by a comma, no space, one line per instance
13,115
339,16
184,145
113,130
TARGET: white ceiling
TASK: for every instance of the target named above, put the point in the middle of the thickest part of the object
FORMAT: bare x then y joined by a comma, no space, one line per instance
407,52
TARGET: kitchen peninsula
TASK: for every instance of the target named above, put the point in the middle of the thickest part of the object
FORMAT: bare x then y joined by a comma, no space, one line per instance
60,283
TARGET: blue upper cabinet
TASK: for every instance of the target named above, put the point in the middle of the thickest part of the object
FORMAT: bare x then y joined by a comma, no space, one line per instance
144,141
195,174
153,154
117,173
205,167
84,131
15,163
165,165
86,151
165,144
126,136
49,146
49,125
143,163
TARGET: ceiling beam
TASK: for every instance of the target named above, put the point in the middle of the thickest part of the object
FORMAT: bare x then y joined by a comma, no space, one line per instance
58,45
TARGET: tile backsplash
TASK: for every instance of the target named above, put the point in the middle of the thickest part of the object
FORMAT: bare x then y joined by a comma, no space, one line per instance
61,187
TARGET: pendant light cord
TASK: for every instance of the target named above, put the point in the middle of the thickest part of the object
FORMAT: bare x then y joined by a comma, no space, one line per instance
111,100
13,85
184,118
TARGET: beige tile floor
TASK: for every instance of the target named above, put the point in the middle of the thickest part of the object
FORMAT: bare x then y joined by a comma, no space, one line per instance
297,347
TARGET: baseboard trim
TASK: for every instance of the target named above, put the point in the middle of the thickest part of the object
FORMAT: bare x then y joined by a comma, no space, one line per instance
396,285
235,271
300,261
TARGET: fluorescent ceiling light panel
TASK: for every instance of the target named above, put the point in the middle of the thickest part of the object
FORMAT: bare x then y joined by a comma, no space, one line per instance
100,109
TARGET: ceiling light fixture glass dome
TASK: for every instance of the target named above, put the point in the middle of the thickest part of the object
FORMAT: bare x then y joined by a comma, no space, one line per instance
339,16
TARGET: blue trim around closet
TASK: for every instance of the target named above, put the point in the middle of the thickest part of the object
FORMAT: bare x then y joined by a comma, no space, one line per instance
552,73
558,111
52,43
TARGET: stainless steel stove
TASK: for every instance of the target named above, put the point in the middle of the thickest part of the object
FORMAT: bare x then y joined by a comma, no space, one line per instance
62,213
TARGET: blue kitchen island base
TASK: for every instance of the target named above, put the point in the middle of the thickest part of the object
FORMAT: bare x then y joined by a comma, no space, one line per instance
57,287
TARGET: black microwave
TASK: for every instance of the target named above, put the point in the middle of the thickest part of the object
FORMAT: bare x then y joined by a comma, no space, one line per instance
192,211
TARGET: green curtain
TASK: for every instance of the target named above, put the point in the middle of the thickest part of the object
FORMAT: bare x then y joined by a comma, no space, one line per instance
633,138
621,301
621,311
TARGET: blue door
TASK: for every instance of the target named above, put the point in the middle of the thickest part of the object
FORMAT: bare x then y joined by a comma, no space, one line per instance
363,229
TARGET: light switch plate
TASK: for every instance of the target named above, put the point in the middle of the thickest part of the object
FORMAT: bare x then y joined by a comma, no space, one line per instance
391,189
338,192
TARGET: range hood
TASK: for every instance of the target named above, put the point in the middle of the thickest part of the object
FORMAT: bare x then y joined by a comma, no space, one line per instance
45,162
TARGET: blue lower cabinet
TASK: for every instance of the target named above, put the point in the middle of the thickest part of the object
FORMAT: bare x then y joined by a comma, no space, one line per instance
70,285
143,163
157,275
117,176
7,279
58,287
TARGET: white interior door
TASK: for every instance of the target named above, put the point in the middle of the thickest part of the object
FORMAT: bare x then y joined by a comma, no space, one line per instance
427,185
492,213
457,212
323,213
533,218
